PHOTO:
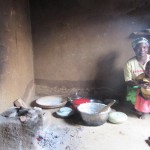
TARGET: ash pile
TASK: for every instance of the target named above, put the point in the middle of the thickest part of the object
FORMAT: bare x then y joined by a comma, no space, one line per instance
59,138
18,128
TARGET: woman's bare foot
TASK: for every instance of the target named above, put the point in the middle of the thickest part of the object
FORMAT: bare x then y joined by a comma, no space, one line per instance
141,116
148,141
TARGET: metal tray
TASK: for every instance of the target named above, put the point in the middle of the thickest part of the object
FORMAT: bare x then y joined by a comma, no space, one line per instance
52,101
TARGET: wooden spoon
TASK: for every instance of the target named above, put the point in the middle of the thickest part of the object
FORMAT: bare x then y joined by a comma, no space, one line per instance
107,106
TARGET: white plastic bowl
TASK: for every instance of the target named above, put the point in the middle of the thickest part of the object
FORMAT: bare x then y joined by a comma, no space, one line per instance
64,112
117,117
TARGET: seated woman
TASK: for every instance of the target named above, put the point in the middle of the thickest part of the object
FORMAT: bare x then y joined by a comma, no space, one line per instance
142,103
135,66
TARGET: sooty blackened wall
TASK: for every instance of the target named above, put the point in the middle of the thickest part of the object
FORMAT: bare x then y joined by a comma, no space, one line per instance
16,55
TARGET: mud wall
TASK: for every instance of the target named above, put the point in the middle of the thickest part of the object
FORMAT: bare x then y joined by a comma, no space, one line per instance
16,56
84,43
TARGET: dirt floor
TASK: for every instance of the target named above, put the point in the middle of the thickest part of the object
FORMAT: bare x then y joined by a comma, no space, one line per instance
72,134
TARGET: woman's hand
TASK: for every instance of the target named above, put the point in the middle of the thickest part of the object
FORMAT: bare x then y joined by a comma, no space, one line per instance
132,83
144,85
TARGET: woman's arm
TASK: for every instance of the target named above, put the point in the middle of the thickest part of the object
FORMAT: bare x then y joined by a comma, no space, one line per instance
132,83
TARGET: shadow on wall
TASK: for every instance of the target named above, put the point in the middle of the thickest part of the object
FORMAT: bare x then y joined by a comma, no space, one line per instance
109,80
3,52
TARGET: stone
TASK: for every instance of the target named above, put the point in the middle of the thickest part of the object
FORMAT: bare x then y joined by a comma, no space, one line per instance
20,135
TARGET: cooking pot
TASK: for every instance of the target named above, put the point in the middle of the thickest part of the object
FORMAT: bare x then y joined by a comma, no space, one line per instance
91,113
77,101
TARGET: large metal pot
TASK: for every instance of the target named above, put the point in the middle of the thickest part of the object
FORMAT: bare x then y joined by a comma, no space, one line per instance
90,113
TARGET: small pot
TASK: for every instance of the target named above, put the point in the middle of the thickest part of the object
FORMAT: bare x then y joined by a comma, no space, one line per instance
96,101
78,101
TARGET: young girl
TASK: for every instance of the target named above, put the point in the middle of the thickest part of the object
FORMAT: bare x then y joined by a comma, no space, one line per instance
142,103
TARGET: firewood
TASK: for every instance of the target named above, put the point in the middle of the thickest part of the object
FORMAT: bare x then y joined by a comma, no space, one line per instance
20,103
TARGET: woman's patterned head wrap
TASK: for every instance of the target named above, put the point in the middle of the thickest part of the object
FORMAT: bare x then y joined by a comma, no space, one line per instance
138,41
